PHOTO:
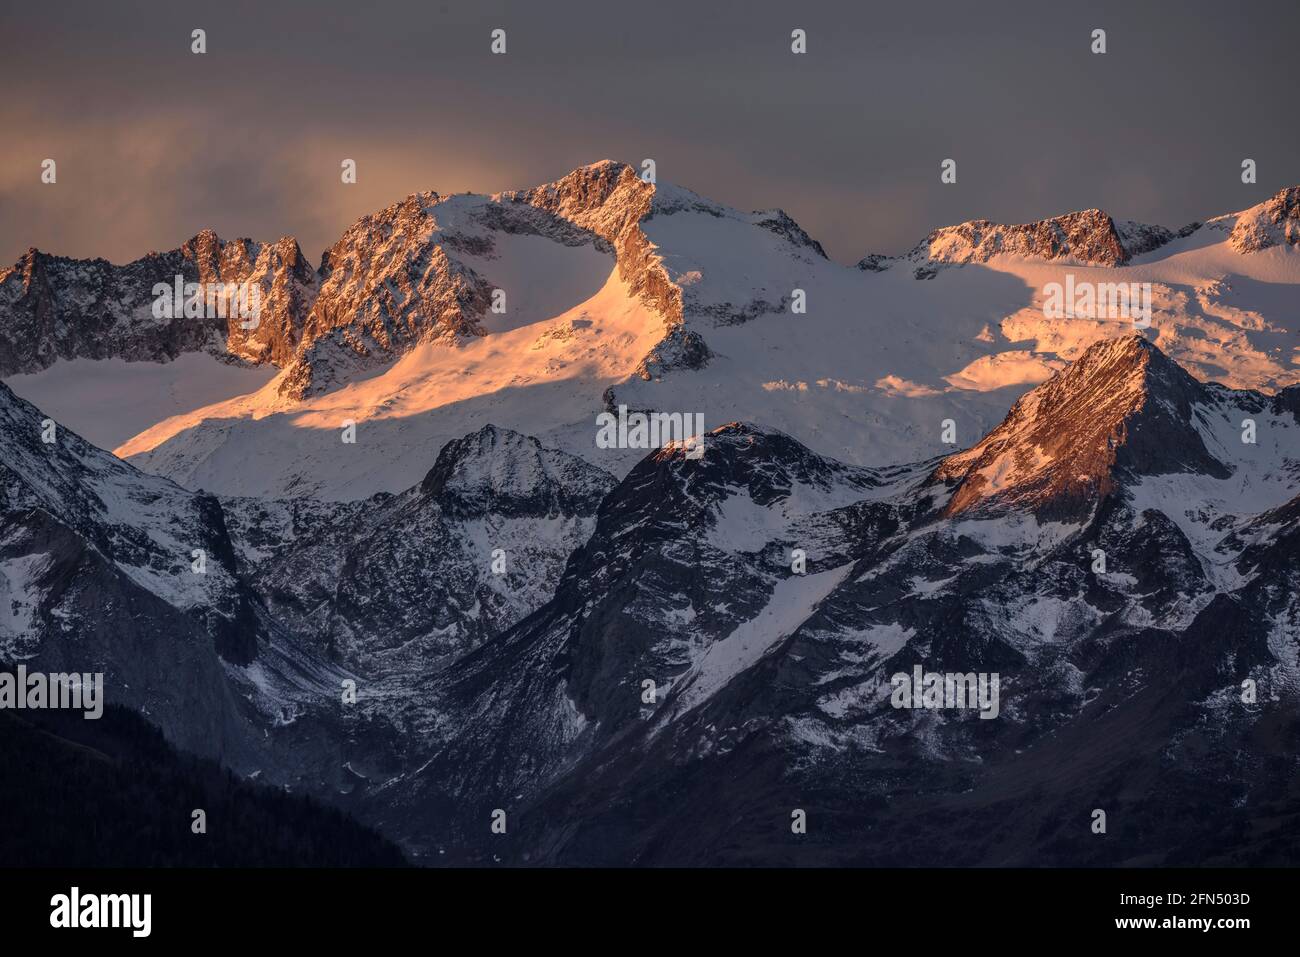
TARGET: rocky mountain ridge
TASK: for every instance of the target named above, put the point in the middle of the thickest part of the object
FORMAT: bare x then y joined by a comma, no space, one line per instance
419,271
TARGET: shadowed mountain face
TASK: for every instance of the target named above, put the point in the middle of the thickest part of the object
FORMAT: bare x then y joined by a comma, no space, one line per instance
402,584
669,660
1120,633
721,650
235,624
133,797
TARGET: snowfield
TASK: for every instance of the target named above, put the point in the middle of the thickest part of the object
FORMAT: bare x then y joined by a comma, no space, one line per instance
110,400
883,355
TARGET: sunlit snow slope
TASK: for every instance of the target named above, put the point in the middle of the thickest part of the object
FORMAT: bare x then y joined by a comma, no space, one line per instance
624,292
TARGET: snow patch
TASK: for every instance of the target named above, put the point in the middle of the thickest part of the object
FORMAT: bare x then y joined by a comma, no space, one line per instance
793,601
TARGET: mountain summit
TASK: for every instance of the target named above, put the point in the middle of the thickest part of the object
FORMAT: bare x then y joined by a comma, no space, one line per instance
1122,410
1274,222
53,308
1089,237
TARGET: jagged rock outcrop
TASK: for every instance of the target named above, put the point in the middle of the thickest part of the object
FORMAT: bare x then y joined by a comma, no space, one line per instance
1089,237
53,307
1122,409
875,262
1275,222
780,222
680,349
288,287
611,200
386,285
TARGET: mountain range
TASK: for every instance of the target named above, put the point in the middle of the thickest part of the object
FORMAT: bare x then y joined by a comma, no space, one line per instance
644,656
614,291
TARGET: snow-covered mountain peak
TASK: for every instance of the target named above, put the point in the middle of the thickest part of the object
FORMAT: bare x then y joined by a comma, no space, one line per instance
1123,408
503,472
538,308
1274,222
426,269
1089,237
85,506
386,285
607,197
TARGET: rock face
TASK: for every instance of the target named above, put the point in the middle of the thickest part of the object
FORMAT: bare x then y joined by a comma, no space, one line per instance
612,201
386,285
1272,223
55,308
99,574
779,222
401,585
1089,237
1123,410
875,262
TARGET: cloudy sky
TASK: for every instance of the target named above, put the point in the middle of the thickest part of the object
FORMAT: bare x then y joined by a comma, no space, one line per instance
154,143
